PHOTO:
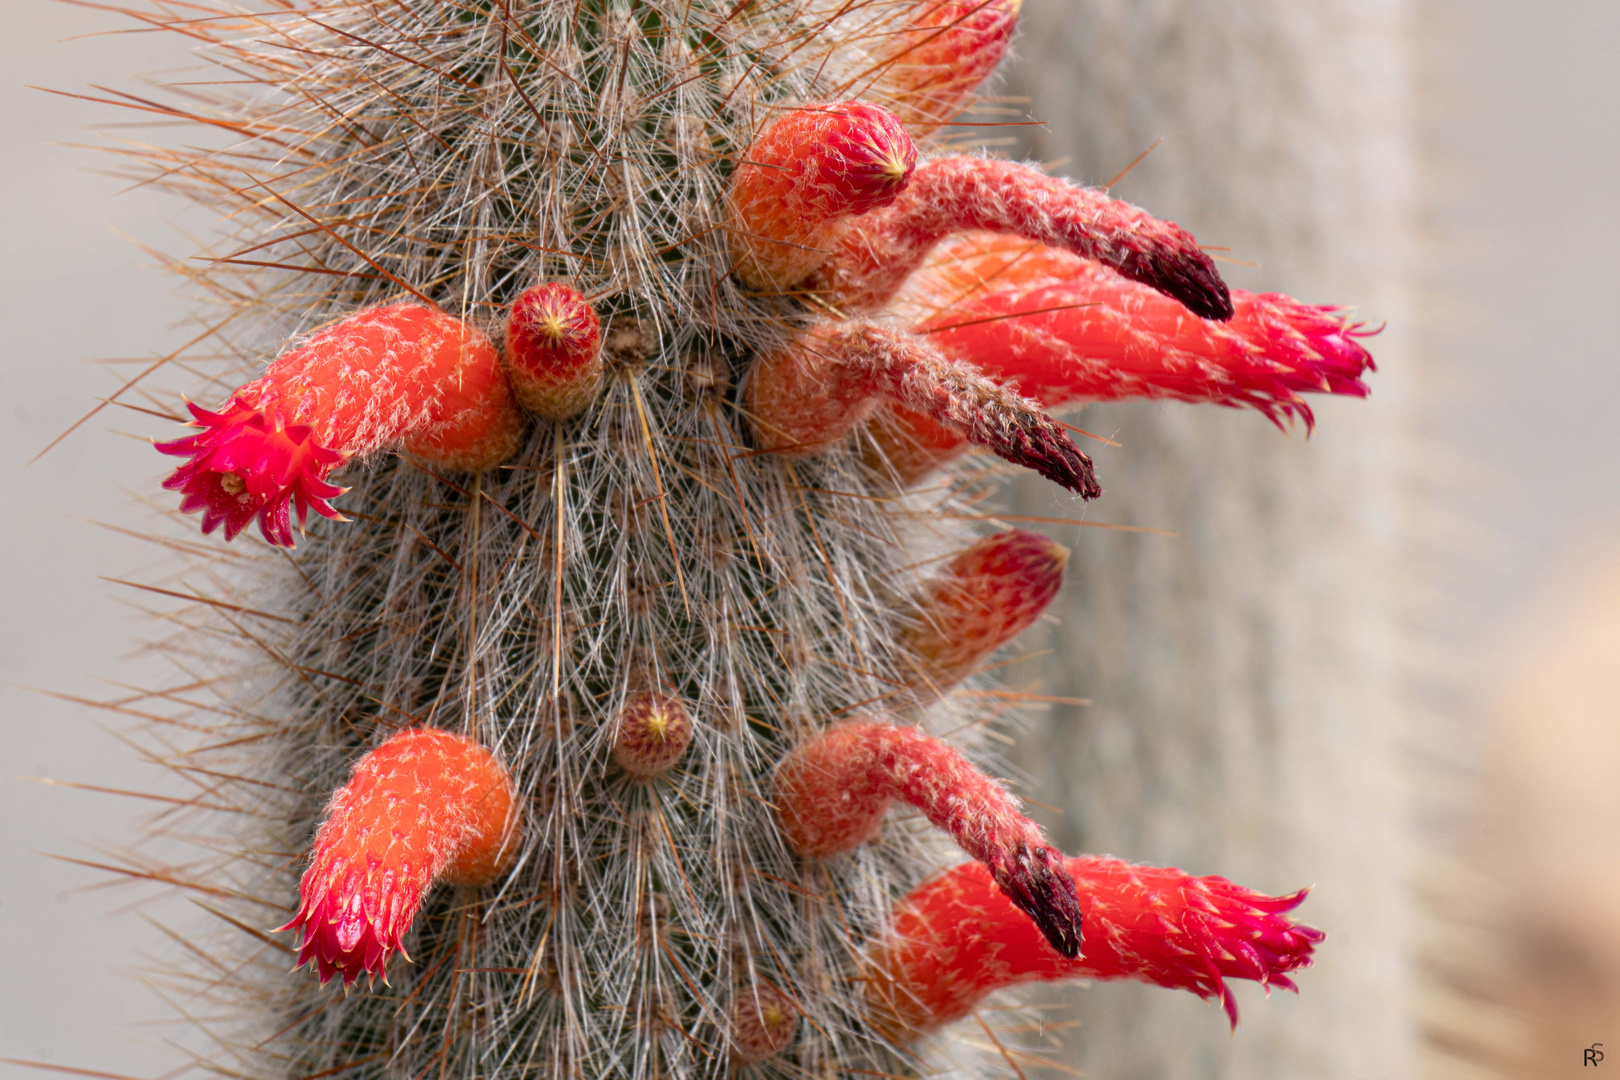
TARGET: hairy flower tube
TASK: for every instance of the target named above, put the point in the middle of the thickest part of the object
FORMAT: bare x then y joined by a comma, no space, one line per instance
424,806
401,376
812,167
554,351
804,398
956,939
878,251
831,794
986,596
1060,329
950,47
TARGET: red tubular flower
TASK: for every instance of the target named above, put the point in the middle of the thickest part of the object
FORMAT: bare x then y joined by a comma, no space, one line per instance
951,47
1061,329
987,595
554,351
831,794
401,376
803,398
878,251
956,939
1115,339
425,806
805,171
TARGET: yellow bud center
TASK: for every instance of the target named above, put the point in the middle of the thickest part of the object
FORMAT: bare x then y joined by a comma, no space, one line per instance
658,724
894,167
233,484
553,327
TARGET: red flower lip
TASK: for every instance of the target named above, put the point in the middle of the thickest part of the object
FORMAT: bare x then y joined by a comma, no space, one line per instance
244,466
957,938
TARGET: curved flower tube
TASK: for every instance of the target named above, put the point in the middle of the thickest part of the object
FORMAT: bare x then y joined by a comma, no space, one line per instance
424,806
878,251
400,376
831,794
806,397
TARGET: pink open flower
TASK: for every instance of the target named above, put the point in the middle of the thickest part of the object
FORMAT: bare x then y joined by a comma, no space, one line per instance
243,466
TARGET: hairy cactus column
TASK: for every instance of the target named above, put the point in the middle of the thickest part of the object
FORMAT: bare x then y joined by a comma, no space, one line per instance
1248,693
624,596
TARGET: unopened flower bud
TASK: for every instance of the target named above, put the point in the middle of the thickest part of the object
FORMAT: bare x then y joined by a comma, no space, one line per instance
553,351
654,730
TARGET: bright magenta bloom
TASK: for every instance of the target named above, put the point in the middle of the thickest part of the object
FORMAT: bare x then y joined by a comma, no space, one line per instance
243,466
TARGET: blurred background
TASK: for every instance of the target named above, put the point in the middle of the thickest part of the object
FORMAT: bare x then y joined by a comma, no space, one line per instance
1385,662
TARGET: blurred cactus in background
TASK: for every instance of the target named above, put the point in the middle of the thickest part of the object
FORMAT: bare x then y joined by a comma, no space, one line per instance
651,368
1253,684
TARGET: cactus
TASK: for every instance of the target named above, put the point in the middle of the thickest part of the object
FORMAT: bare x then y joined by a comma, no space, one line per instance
568,732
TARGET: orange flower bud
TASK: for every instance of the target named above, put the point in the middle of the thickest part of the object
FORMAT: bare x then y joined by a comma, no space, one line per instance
951,47
986,596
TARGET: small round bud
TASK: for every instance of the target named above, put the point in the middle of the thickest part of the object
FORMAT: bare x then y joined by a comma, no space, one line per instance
653,733
553,351
811,167
763,1023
